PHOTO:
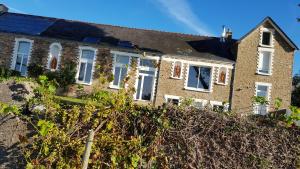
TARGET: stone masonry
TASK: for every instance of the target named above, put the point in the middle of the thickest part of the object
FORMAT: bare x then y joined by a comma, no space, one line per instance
246,76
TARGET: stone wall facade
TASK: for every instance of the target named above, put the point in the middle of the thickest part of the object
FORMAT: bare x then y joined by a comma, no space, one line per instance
175,87
241,76
246,67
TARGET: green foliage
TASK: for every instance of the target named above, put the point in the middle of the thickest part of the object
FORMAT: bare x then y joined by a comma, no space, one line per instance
260,100
44,127
293,117
277,103
126,134
65,76
7,73
35,70
6,108
296,91
46,86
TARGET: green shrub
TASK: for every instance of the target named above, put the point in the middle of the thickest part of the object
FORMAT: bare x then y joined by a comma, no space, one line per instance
65,76
35,70
6,73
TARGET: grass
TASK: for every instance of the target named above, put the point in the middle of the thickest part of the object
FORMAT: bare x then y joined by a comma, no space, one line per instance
71,100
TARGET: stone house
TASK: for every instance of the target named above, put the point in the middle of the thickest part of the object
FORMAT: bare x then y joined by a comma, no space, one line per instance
220,72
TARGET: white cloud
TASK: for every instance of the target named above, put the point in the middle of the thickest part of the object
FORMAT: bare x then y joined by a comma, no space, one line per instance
181,11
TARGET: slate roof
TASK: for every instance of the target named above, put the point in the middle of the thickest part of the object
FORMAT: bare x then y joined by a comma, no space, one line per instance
147,40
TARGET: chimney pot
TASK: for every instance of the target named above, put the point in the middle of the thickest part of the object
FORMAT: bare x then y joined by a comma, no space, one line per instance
3,8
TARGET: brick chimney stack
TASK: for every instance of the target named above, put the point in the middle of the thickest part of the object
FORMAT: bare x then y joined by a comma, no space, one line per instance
3,8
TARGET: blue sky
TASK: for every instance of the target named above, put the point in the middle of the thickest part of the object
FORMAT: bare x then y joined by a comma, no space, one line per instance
204,17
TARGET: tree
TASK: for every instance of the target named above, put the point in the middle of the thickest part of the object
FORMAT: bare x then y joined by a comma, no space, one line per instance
296,91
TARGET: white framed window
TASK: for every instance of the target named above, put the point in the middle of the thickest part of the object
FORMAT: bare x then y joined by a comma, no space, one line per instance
222,76
120,69
86,65
265,60
199,78
145,84
262,90
21,55
266,37
218,106
174,100
54,56
177,68
199,103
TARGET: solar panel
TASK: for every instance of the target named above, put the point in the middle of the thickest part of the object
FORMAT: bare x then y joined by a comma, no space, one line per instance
17,23
125,44
92,40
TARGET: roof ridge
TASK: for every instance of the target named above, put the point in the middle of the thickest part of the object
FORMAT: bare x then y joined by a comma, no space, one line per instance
101,24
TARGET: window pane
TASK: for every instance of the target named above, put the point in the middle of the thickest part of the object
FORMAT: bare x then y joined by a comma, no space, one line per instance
123,74
173,101
88,74
87,54
138,91
193,76
261,109
116,76
204,80
177,70
147,88
24,65
265,62
53,63
147,63
18,62
23,70
262,91
222,75
218,108
198,105
55,51
81,71
147,72
266,38
122,59
24,47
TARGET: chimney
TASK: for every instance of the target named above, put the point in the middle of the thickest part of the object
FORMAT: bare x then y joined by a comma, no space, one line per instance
228,34
223,35
3,8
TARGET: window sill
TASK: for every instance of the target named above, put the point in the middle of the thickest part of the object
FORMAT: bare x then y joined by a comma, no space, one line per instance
266,46
114,87
176,78
222,84
263,74
143,100
83,83
198,90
